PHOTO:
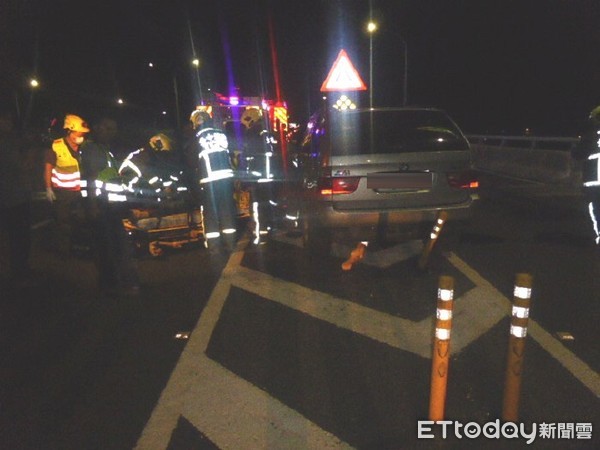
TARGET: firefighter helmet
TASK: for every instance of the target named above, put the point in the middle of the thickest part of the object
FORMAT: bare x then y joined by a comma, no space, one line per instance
75,123
161,143
251,116
199,118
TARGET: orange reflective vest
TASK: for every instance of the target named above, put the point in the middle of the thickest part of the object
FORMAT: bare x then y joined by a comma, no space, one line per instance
65,174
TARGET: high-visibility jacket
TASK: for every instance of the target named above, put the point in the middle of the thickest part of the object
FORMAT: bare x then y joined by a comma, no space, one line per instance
65,174
258,152
591,165
215,163
588,150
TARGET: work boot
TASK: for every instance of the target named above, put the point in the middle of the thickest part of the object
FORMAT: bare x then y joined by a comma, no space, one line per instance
355,256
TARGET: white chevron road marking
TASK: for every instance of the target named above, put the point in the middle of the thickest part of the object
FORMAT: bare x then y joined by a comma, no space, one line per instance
235,414
230,411
579,369
474,313
378,258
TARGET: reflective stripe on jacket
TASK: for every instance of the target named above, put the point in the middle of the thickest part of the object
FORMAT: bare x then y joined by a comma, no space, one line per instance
65,174
591,170
214,155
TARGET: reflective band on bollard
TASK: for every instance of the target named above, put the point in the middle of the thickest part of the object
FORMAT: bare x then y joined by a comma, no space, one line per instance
516,347
435,233
441,348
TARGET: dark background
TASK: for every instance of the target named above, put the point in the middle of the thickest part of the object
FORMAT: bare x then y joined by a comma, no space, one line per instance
495,66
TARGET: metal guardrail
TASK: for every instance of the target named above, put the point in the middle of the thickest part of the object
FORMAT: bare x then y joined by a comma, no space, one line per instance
529,142
535,158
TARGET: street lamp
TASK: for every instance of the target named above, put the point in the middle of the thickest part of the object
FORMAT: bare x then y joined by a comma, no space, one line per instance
405,96
371,28
196,64
34,85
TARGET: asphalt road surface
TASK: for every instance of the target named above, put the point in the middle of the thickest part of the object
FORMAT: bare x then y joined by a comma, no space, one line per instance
268,347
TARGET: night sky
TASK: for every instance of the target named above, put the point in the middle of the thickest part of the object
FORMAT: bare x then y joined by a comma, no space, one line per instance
495,66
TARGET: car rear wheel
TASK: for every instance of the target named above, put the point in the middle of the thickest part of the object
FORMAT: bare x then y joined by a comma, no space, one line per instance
317,240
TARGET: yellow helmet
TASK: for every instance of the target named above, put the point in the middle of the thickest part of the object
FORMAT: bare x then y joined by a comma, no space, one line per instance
161,143
251,116
75,123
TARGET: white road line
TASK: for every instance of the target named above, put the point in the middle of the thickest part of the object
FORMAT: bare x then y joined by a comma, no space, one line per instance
579,369
228,410
382,258
235,414
474,313
377,258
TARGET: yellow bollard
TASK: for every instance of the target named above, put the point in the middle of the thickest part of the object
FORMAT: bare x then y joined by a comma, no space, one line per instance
516,347
441,348
435,233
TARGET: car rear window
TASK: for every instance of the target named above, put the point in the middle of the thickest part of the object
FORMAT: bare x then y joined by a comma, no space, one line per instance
393,131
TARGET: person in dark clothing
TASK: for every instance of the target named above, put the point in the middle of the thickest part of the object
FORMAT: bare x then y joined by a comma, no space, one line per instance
588,151
105,208
150,171
15,197
215,179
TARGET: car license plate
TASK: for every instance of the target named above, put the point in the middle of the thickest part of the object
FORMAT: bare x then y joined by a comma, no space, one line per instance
399,180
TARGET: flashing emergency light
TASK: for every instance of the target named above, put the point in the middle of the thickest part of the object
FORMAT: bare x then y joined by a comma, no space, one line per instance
343,76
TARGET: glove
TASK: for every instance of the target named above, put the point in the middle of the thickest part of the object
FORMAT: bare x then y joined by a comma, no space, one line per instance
50,195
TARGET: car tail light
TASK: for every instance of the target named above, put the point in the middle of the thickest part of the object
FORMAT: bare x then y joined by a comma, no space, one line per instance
463,180
338,185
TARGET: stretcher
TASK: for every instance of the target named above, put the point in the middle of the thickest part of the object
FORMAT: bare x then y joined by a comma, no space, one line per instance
153,230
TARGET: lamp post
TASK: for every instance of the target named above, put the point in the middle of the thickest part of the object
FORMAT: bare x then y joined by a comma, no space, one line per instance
34,85
405,96
196,64
371,28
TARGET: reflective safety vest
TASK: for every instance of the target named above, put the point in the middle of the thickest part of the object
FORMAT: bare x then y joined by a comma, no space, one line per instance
65,174
214,155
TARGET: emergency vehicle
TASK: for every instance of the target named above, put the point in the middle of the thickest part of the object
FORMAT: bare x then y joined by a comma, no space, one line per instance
256,130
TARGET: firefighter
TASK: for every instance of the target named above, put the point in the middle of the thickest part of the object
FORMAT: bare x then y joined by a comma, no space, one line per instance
257,142
106,208
588,151
258,152
215,179
62,179
150,171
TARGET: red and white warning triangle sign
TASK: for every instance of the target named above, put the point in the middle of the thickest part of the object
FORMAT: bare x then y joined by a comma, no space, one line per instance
343,76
